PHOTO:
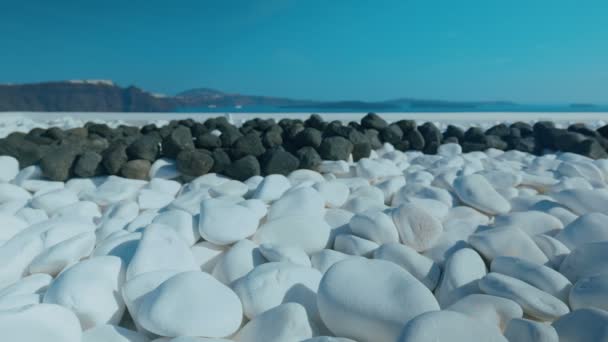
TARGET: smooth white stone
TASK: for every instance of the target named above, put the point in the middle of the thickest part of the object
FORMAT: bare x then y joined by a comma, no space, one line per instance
592,227
583,169
41,187
115,189
449,326
507,241
337,167
142,220
583,325
32,284
535,303
477,192
82,187
525,203
135,290
354,245
152,199
55,231
229,188
421,177
455,236
286,322
225,223
206,255
590,292
236,262
271,188
583,201
191,339
275,283
421,267
190,201
302,202
116,217
496,311
375,226
16,255
122,246
19,301
53,200
461,274
376,169
360,204
257,206
175,255
11,225
508,193
434,207
310,233
334,193
571,183
541,183
338,220
56,258
277,253
586,260
163,168
467,214
502,179
89,288
358,299
30,172
181,222
328,339
165,186
191,304
390,187
531,222
324,259
43,322
209,180
416,227
9,168
32,216
556,210
12,207
252,185
84,209
112,333
553,249
525,330
303,175
539,276
449,150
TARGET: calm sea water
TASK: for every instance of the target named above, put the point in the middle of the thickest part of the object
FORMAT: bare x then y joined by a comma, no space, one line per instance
442,109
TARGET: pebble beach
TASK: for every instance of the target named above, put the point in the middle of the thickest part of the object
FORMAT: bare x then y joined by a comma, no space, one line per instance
371,228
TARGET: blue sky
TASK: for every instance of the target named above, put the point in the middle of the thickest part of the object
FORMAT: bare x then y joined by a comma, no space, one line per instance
532,51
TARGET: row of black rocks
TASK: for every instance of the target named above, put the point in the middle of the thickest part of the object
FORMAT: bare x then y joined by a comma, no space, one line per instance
262,147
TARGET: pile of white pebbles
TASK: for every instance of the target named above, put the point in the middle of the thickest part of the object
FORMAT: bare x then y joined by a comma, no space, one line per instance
485,246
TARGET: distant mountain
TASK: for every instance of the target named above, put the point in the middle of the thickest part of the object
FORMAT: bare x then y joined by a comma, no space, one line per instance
422,104
81,96
204,97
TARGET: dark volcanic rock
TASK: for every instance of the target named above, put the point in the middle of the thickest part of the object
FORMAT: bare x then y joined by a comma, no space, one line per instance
195,162
494,141
406,125
146,147
391,134
136,169
278,161
102,130
374,139
230,134
57,163
115,157
249,144
415,139
221,160
309,137
335,148
26,152
522,144
475,135
545,134
372,120
315,121
208,141
590,148
525,129
582,129
243,169
472,147
362,146
450,140
336,129
179,140
309,158
603,131
272,138
566,141
454,132
432,137
88,164
500,130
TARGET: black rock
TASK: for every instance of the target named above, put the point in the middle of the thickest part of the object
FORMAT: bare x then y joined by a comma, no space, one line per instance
373,137
88,164
315,121
194,162
243,169
494,141
525,129
249,144
432,137
527,145
198,129
136,169
415,139
582,129
54,133
603,131
391,134
468,146
500,130
545,133
115,157
309,137
590,148
336,129
221,160
514,132
80,133
475,135
454,132
179,140
361,150
278,161
102,130
335,148
148,129
272,138
26,152
230,134
309,158
355,125
208,141
165,131
450,140
56,165
146,147
290,132
372,120
406,125
566,141
187,122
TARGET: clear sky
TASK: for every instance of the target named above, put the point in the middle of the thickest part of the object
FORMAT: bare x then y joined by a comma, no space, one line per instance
534,51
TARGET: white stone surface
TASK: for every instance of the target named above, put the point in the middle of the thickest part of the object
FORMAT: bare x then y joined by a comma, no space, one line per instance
416,227
236,262
525,330
496,311
477,192
286,322
44,322
461,274
583,325
421,267
224,223
310,233
590,292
